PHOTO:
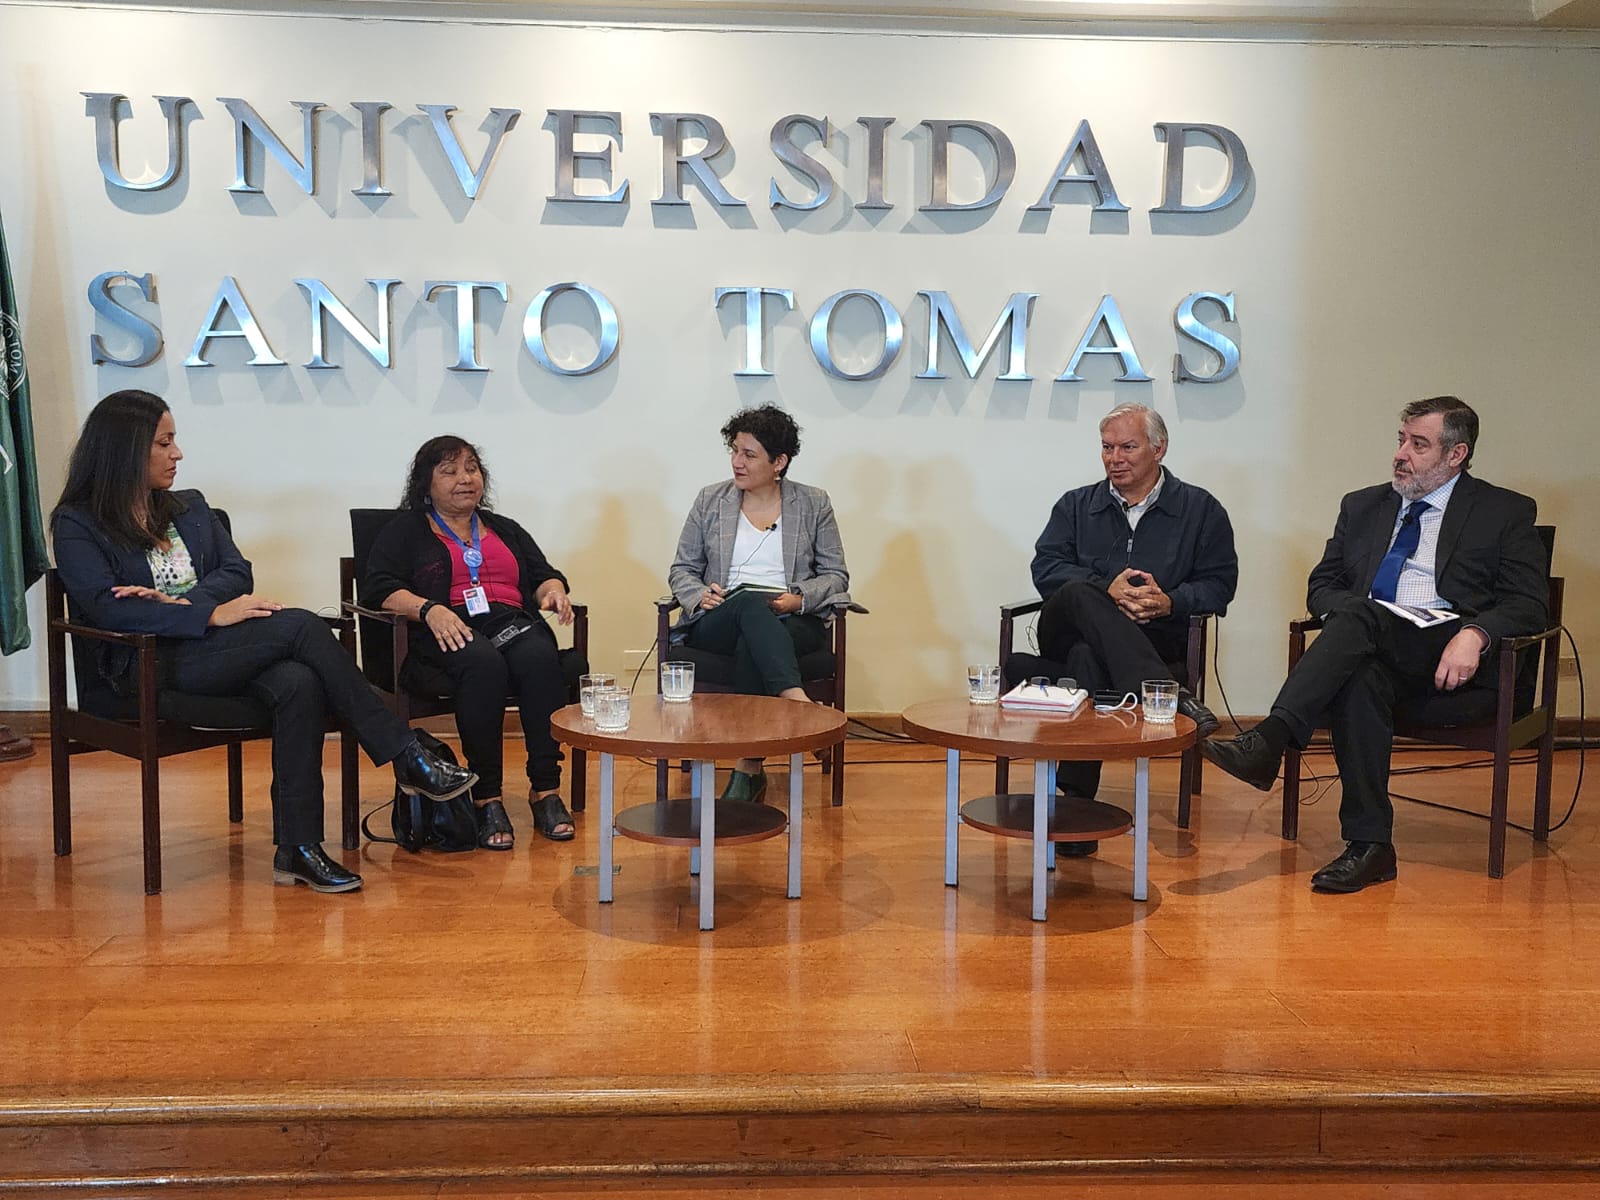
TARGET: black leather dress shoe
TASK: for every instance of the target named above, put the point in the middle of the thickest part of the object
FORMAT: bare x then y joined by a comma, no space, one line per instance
1205,721
307,864
1077,849
1360,864
1246,757
420,773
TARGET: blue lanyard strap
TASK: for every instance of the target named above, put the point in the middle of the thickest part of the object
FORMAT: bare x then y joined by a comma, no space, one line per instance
471,555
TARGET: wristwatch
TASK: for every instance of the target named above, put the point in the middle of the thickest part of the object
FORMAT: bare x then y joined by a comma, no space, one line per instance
422,613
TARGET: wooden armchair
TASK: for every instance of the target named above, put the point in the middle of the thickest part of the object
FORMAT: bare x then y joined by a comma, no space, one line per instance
1191,673
385,640
1512,718
822,674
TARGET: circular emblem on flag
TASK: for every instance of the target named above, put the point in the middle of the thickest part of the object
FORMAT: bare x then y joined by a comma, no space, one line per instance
12,368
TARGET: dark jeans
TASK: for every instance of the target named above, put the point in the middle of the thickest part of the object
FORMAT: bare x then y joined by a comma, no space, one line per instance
766,649
479,677
1082,628
1365,661
292,663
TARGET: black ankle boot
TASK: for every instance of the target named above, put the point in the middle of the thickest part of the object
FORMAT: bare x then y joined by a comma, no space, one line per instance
307,864
420,773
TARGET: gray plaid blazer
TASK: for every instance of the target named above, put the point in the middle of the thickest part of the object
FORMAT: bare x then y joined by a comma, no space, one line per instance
813,555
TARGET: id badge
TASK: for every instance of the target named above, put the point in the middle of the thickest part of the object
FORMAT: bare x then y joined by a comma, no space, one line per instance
476,601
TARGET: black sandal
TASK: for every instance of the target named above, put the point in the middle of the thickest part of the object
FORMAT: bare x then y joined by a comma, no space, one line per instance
550,812
493,819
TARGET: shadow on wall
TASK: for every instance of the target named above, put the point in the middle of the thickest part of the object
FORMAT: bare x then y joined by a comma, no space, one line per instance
923,579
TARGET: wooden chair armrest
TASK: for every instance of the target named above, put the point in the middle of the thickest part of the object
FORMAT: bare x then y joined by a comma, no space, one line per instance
137,640
1021,608
351,609
665,604
1511,645
1305,625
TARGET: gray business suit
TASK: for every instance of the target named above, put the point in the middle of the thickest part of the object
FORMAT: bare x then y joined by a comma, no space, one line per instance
766,648
813,554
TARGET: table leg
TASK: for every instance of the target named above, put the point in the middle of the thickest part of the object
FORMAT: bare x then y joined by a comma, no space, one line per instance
694,793
796,790
952,813
1141,829
607,826
1041,832
708,841
1050,858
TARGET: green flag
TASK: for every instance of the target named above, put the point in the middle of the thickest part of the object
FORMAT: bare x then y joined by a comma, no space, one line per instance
22,551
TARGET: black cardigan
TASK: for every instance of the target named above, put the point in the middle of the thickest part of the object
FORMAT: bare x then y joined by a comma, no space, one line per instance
408,556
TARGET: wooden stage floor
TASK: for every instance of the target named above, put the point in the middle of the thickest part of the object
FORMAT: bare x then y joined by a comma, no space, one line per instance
468,1021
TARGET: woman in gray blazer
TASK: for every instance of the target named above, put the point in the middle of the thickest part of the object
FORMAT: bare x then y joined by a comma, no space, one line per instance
759,569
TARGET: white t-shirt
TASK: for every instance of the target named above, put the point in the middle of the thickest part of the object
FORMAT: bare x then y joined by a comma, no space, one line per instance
757,555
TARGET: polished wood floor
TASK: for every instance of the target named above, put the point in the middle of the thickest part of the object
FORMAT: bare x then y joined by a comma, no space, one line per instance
494,986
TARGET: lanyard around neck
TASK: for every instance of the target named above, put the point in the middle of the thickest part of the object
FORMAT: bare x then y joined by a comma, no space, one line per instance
471,555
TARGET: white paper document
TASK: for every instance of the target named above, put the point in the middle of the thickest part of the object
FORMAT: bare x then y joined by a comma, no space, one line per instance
1031,697
1422,618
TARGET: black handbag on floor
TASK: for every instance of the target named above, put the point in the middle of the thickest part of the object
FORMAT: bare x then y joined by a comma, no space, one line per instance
420,823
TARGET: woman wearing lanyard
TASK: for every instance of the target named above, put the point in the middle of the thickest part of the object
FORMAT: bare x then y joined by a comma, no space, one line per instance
759,569
474,581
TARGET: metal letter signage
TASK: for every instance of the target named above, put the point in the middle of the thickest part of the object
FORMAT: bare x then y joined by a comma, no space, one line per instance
818,166
103,106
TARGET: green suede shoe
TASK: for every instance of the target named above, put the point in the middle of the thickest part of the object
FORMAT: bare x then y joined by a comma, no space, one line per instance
748,788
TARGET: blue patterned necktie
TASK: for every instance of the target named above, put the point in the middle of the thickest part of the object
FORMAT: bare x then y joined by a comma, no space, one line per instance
1387,579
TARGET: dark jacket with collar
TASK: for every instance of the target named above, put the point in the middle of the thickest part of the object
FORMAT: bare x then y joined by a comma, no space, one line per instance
408,556
90,564
1184,540
1489,564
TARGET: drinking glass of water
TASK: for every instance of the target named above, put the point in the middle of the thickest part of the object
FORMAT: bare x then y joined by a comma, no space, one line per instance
612,707
1160,701
677,681
587,685
983,683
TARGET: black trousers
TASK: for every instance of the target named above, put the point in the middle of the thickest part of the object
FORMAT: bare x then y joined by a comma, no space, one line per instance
1082,628
1365,661
479,677
292,663
766,648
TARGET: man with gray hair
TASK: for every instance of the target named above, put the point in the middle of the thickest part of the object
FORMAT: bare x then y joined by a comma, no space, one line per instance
1434,537
1120,565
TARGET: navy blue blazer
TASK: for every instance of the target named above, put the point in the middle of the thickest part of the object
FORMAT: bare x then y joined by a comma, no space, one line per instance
1184,539
90,564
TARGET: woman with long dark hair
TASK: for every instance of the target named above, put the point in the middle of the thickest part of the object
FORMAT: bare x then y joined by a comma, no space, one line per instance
473,584
137,557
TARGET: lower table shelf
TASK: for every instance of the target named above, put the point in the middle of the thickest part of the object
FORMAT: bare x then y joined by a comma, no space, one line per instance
1012,816
677,822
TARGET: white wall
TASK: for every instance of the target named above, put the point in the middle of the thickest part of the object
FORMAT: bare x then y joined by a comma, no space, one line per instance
1421,221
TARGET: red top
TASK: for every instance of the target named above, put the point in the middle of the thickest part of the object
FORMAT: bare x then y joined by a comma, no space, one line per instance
497,575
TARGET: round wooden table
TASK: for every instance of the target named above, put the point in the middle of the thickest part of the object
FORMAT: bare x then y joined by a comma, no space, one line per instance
705,728
1047,738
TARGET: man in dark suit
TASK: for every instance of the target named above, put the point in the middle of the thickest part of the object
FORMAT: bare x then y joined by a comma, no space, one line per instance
1434,537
